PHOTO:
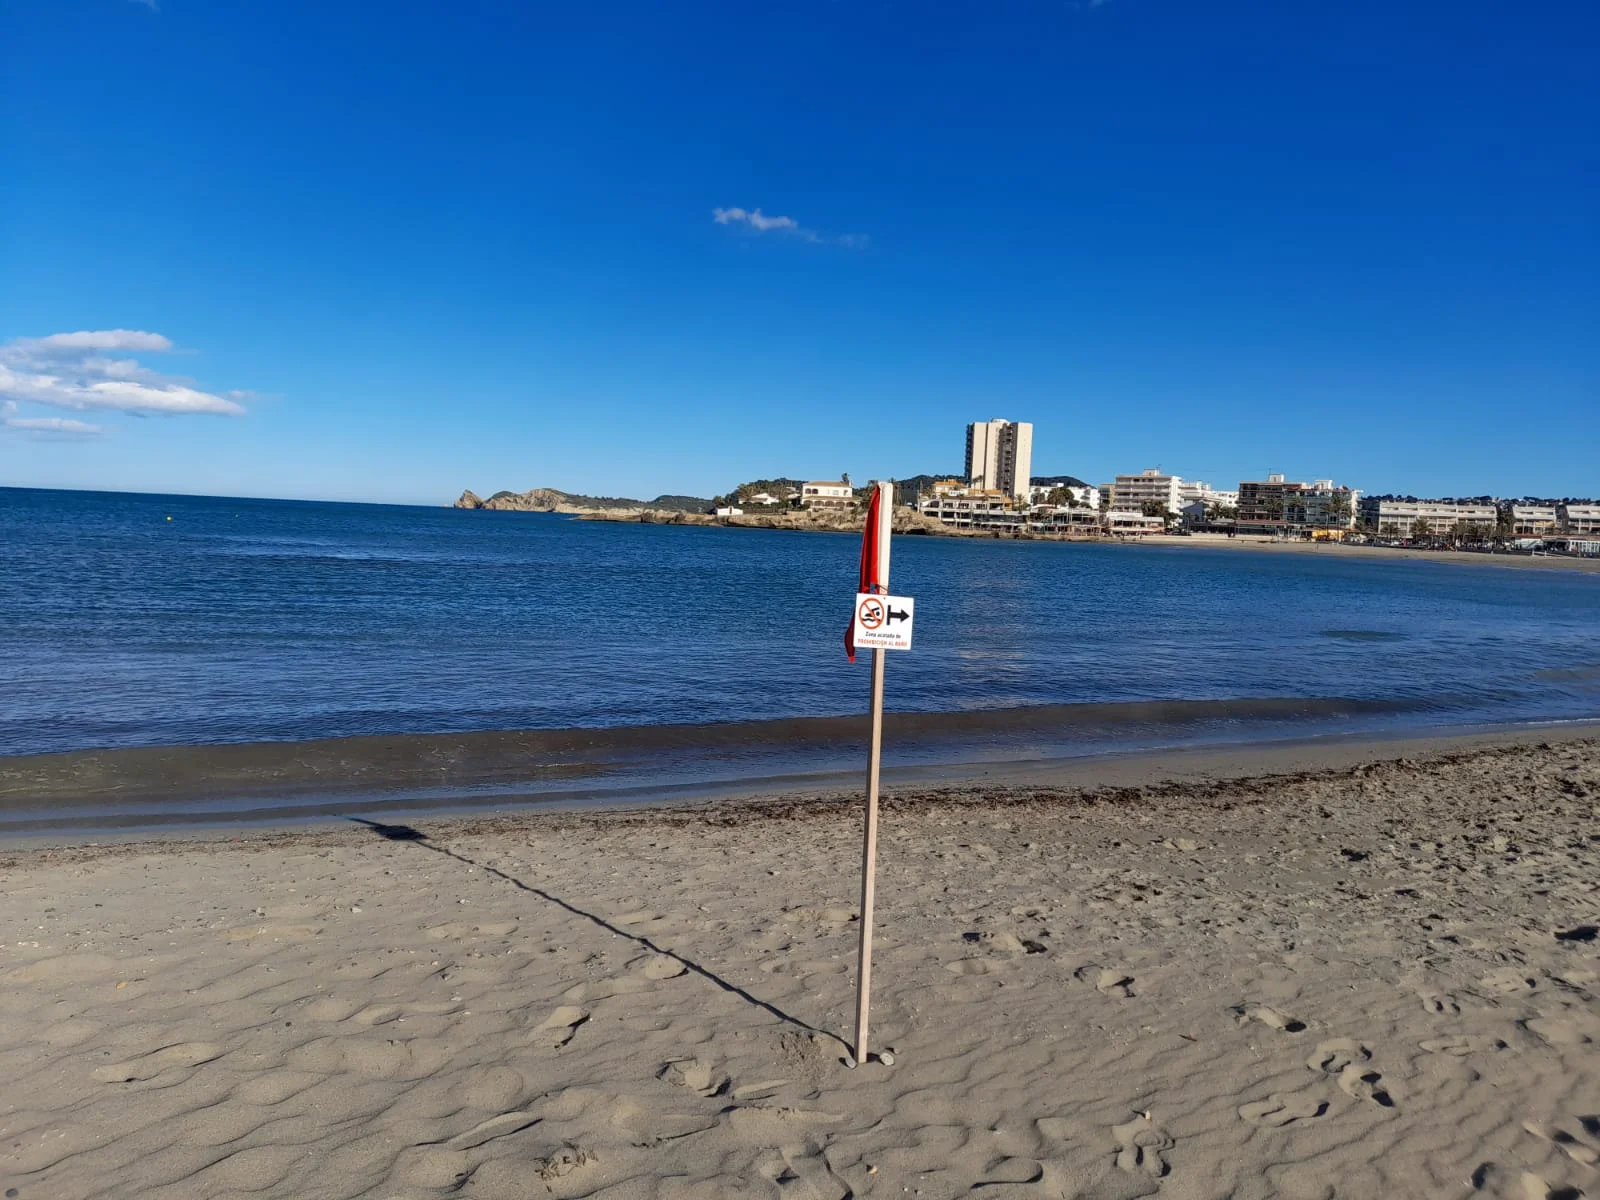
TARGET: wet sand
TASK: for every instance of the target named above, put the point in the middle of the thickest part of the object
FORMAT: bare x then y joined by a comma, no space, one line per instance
87,793
1374,977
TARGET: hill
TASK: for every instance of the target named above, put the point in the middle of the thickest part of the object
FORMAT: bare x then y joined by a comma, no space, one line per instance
555,500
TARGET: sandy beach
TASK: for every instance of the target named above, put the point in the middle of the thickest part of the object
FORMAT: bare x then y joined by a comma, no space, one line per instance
1338,550
1375,978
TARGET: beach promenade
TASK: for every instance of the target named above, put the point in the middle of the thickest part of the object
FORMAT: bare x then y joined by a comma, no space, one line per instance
1377,978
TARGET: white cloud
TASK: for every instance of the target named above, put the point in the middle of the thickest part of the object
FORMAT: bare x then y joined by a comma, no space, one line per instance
58,426
150,4
757,220
103,339
754,218
62,371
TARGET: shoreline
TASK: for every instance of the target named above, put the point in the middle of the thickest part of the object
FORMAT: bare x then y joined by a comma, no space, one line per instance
910,524
1469,558
732,799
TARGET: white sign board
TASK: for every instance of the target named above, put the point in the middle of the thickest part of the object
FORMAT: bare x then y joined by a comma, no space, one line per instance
884,622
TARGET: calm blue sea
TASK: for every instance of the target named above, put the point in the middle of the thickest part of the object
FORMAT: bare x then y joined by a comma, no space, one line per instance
134,620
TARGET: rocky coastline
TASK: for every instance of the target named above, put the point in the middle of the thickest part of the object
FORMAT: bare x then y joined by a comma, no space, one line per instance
906,521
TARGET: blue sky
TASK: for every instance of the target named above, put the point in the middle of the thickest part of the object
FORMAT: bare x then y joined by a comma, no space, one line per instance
390,251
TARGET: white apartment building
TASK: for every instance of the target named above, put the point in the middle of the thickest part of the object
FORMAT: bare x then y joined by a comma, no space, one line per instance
827,493
1401,518
1322,506
1198,491
1086,497
1530,520
1580,518
1131,493
1000,456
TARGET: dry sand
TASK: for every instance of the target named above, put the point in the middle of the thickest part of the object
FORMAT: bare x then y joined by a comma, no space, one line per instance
1377,981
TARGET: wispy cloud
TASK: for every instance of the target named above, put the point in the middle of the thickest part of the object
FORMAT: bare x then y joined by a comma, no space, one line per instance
60,427
757,221
150,4
101,339
74,371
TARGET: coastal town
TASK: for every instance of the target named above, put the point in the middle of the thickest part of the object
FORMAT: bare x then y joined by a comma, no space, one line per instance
999,494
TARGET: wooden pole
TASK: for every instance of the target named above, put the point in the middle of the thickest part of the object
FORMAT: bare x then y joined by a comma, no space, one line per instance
869,847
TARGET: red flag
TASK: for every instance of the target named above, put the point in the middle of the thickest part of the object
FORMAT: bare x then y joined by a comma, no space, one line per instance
869,564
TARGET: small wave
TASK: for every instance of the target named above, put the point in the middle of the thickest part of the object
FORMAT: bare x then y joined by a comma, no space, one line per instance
1363,635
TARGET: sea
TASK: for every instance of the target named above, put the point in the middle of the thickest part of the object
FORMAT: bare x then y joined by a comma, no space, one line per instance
161,621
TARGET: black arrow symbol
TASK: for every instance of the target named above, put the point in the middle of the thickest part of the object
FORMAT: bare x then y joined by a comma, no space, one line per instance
898,614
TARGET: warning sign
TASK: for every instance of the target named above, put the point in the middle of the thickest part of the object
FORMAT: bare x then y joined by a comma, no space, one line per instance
884,622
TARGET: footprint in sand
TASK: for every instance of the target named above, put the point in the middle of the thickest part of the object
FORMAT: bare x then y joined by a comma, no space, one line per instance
559,1027
1278,1109
1440,1004
1581,1145
1462,1045
804,1174
1535,1188
695,1074
973,966
1334,1055
168,1058
827,918
1269,1017
1554,1032
1509,981
1362,1083
663,966
1142,1147
1106,981
1003,942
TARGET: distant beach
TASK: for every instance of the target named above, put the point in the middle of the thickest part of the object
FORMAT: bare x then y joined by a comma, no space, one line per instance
1341,550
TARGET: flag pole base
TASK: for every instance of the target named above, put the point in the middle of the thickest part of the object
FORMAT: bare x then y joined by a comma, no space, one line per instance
885,1057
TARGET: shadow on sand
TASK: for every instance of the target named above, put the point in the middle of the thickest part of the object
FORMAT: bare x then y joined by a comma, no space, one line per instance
408,833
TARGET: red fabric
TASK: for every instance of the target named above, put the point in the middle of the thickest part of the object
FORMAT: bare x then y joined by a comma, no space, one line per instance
869,565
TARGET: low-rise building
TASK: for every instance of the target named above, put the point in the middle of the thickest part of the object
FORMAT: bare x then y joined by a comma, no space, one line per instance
1425,518
1085,497
1061,519
1121,522
1530,520
1199,514
728,511
952,502
1580,546
1580,518
827,493
764,499
1193,491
